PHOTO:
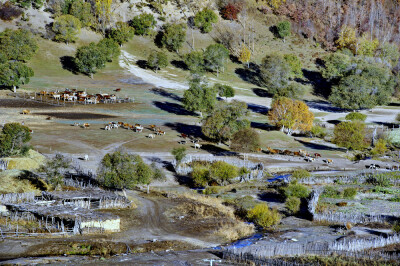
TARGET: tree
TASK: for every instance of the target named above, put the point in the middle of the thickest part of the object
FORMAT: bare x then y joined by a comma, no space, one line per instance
194,61
103,13
109,48
215,57
83,11
274,72
364,86
222,172
224,90
366,45
173,36
230,11
14,74
55,169
245,140
143,23
390,53
122,33
157,60
18,44
199,97
356,116
66,28
283,29
89,59
380,147
12,139
204,20
263,216
336,65
347,39
179,154
294,91
290,114
122,170
225,120
295,65
350,135
245,55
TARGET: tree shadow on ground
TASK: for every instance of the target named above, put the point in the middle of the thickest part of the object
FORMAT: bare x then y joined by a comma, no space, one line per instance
250,74
316,146
270,197
173,108
179,64
334,122
387,124
262,93
190,130
258,108
262,126
164,93
215,150
68,63
324,106
321,87
142,64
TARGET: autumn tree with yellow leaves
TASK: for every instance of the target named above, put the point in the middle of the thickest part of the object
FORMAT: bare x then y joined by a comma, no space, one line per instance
273,3
103,13
347,39
245,55
290,114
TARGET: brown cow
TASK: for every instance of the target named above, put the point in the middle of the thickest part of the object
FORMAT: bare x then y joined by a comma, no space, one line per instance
183,135
25,112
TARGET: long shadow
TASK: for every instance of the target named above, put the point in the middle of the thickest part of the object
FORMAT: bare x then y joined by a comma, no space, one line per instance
142,64
164,93
321,86
325,106
173,108
263,126
270,197
262,93
68,63
215,150
334,122
386,124
316,146
250,74
258,108
179,64
190,130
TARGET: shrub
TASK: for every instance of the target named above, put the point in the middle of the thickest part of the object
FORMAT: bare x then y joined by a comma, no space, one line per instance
222,171
350,135
204,20
263,216
331,192
394,137
143,23
283,29
396,227
211,190
9,12
292,204
380,147
349,193
200,175
341,204
179,154
296,190
301,173
378,180
356,116
318,131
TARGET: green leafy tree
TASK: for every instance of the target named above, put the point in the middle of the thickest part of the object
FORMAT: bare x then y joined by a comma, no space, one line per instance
356,116
390,53
102,11
215,57
199,97
143,23
173,36
380,147
55,169
350,135
274,72
66,28
122,33
18,44
14,74
223,172
200,175
293,90
225,120
89,59
336,65
179,154
246,140
195,61
109,48
224,90
283,29
295,65
83,11
263,216
204,20
157,60
12,139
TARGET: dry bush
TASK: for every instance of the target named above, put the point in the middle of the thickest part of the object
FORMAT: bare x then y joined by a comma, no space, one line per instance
9,12
234,232
210,201
197,210
341,204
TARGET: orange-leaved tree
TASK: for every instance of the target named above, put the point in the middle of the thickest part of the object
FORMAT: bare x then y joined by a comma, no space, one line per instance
290,114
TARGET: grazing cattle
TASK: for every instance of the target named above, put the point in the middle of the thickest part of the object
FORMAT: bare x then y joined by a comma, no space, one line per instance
138,128
183,135
31,131
48,118
328,161
316,155
152,127
76,124
86,125
114,126
374,166
151,136
309,159
303,153
259,150
121,123
25,112
197,146
182,142
86,157
56,96
117,89
287,152
159,132
296,153
107,127
272,151
194,140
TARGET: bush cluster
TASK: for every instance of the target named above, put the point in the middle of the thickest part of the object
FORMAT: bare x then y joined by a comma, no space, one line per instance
263,216
219,172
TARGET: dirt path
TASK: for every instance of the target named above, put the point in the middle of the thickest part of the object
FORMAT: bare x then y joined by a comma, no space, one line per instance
155,226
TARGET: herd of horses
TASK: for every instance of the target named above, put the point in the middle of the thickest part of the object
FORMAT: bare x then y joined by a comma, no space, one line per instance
301,153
